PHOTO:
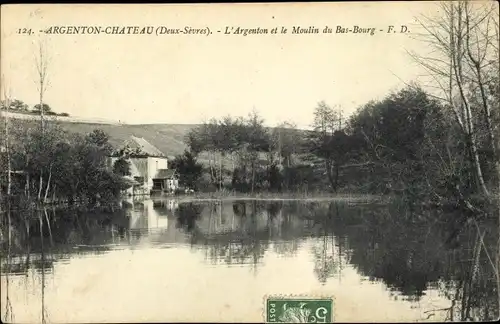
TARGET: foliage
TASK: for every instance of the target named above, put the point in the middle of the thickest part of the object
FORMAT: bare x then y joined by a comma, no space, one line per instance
329,142
242,140
18,106
127,152
122,167
463,66
15,105
188,168
52,165
286,141
45,108
395,134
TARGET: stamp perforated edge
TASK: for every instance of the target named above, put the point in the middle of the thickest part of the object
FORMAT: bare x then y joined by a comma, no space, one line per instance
296,296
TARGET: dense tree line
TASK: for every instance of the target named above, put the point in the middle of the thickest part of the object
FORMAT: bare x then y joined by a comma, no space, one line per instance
406,144
243,154
48,165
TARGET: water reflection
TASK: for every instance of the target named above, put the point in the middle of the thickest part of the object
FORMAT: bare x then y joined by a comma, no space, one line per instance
361,254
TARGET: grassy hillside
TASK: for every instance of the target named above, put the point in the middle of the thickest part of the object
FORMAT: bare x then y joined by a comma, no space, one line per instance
168,138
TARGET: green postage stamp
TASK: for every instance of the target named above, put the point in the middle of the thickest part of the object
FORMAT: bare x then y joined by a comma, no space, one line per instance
298,310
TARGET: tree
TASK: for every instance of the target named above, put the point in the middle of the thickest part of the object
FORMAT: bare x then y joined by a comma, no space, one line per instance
99,138
121,167
188,168
194,140
61,165
125,151
41,64
328,142
464,67
205,138
403,140
45,108
256,141
286,141
241,139
275,178
229,141
16,105
19,105
7,145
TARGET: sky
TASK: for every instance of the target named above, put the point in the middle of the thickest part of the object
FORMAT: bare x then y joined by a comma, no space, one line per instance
191,78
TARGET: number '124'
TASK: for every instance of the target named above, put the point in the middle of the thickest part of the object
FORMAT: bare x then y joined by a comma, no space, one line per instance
24,31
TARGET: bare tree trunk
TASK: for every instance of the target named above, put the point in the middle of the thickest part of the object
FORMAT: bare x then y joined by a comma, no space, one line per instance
220,173
329,172
41,63
450,36
212,173
41,107
28,187
8,304
9,171
336,177
40,185
476,63
498,255
7,139
7,148
43,271
48,225
232,161
253,176
458,64
48,184
475,155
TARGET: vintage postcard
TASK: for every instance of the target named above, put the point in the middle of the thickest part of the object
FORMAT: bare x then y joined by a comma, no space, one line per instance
239,162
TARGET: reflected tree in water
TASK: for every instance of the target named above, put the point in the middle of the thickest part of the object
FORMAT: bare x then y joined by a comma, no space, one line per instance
187,215
44,309
469,283
411,254
9,314
327,250
235,241
38,238
239,209
273,208
326,260
286,248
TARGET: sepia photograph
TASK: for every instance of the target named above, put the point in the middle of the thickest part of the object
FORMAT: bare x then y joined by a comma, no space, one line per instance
290,162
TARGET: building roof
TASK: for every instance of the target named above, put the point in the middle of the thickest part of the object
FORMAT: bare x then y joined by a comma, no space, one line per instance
144,146
165,174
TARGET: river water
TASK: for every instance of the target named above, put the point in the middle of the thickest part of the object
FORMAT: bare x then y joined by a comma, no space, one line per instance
171,261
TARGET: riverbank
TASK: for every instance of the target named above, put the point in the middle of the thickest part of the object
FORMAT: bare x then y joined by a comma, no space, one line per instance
316,197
